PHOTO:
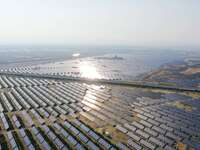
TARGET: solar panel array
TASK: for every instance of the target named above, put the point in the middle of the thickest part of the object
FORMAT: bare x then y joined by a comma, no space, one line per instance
38,113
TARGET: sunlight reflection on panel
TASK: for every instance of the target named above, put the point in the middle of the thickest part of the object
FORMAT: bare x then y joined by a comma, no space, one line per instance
90,100
88,70
76,54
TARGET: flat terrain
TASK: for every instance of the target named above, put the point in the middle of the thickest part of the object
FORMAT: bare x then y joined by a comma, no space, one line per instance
145,101
51,114
130,65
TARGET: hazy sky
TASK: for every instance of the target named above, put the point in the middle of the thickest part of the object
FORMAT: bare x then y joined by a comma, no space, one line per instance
100,22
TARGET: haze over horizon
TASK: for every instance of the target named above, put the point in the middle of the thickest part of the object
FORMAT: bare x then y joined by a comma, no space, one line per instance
105,22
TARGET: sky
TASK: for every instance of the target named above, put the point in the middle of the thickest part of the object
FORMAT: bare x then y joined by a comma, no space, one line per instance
100,22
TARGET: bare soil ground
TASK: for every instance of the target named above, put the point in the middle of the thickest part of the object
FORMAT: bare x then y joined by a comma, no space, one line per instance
191,71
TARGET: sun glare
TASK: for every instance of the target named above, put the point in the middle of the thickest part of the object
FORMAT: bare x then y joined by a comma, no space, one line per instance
89,71
76,55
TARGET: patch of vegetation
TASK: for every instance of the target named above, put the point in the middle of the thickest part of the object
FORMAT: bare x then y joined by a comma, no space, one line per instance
183,106
167,84
162,91
193,95
112,133
182,146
